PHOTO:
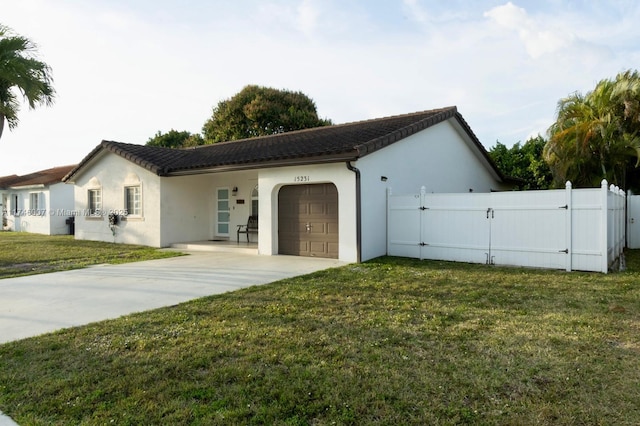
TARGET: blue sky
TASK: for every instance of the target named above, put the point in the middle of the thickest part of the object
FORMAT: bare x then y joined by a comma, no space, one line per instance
126,69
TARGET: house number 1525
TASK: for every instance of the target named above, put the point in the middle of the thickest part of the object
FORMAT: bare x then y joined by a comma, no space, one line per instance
301,179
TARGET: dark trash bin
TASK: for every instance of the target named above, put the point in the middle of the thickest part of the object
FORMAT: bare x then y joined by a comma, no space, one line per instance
72,225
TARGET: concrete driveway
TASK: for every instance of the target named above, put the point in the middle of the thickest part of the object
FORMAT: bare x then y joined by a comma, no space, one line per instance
37,304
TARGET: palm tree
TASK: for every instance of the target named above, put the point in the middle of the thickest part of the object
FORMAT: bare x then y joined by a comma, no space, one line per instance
596,135
21,72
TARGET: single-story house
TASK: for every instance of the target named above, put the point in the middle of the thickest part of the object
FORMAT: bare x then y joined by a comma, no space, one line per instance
38,202
316,192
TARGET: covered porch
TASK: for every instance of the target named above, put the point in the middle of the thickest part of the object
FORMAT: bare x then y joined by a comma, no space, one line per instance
204,211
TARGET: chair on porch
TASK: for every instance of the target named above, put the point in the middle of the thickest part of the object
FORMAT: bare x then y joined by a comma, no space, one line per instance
250,228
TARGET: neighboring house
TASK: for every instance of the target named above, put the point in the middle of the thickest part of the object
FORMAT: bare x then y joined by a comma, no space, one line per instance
317,192
38,202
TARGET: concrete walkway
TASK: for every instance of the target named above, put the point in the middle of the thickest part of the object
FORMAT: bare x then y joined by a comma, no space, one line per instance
37,304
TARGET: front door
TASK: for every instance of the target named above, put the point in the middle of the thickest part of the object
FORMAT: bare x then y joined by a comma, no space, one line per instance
308,220
222,212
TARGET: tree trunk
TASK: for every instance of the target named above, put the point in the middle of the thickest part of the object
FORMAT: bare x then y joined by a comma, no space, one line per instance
1,124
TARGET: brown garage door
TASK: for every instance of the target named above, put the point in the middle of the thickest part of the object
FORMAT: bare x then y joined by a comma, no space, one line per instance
308,220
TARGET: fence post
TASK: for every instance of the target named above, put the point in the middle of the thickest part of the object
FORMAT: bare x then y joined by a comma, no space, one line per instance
604,240
622,204
618,224
568,226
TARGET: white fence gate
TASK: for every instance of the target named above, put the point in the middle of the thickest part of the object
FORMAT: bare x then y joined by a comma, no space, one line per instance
582,229
633,221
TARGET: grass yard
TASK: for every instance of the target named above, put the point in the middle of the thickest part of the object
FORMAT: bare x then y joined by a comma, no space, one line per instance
390,342
22,253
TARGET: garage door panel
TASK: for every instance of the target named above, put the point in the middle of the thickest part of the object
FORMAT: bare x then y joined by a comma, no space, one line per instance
314,190
332,228
317,246
317,209
308,220
317,229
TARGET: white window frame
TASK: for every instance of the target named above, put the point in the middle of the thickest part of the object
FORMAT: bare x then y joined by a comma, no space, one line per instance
97,210
34,202
135,211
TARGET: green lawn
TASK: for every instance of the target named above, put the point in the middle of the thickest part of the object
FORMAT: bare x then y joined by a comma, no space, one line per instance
390,342
22,253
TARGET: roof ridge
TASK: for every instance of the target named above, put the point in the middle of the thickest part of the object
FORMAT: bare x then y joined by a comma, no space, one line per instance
315,129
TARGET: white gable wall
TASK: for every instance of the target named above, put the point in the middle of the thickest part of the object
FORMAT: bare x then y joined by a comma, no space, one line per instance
439,158
112,171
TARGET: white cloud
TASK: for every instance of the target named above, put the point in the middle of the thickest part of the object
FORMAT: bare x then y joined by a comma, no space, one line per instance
538,38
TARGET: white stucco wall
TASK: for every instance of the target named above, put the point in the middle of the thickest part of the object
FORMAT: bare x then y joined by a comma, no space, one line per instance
270,182
112,171
29,218
61,199
439,158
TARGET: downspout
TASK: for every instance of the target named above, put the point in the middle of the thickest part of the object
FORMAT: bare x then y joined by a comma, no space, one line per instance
358,209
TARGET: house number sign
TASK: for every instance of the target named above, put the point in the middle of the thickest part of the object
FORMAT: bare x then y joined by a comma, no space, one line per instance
302,179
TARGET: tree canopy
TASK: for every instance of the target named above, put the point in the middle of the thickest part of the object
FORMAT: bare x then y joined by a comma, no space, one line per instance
260,111
597,135
175,139
524,162
21,72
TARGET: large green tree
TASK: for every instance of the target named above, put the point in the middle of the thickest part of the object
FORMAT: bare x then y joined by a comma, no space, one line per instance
596,135
21,73
524,162
260,111
175,139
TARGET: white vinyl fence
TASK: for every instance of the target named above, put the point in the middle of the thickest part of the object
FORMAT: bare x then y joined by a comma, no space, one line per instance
571,229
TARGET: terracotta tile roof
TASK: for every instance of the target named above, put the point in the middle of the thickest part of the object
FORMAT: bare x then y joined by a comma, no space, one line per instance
42,177
344,142
7,181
